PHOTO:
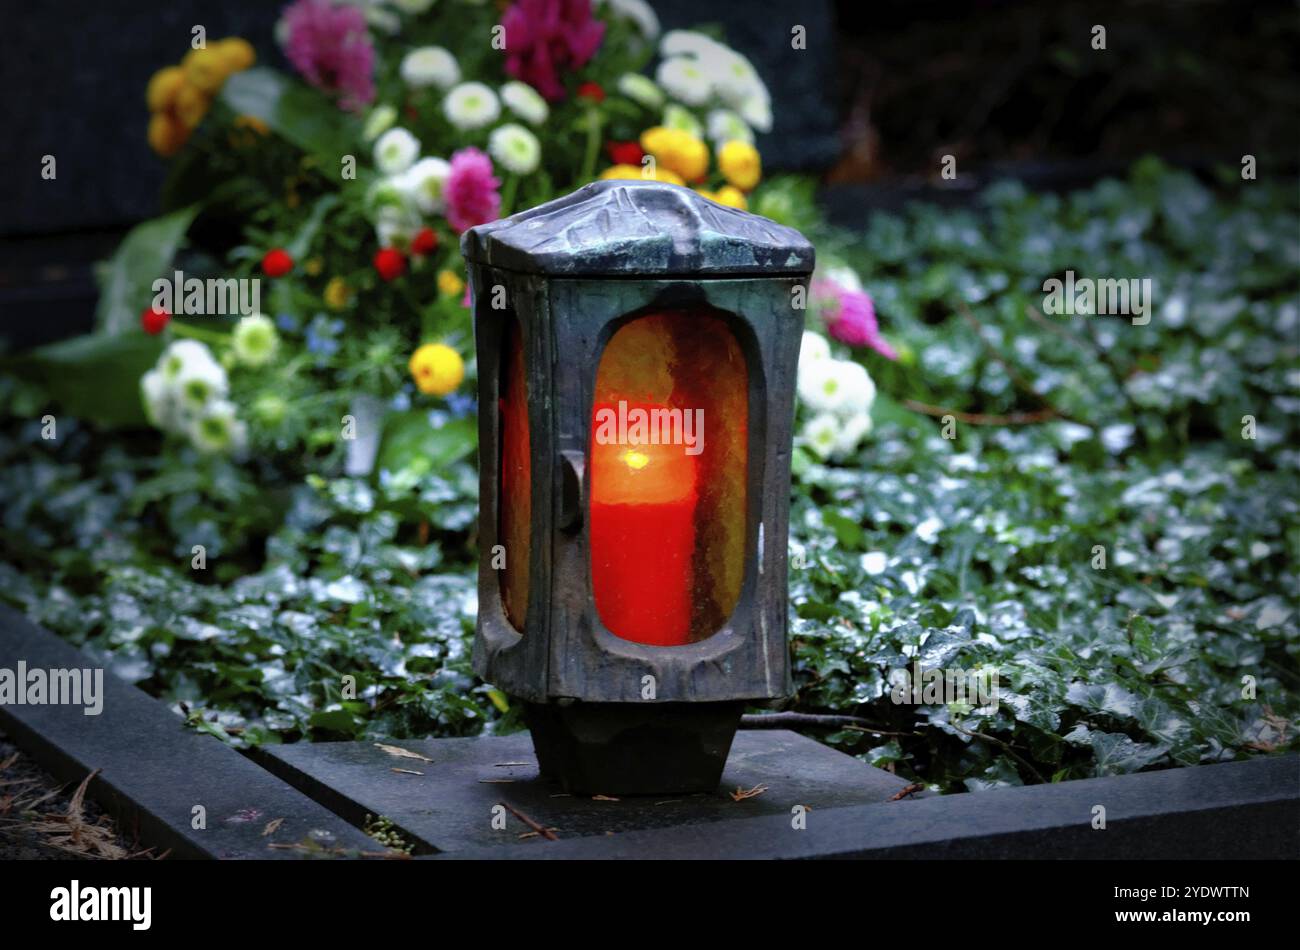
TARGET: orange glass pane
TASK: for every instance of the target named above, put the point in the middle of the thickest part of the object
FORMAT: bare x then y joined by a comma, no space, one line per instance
515,493
669,445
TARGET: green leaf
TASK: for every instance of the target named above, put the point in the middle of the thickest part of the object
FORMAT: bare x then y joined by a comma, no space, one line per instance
126,283
94,377
410,440
301,242
301,115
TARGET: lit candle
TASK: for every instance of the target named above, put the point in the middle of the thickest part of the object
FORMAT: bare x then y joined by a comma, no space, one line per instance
643,501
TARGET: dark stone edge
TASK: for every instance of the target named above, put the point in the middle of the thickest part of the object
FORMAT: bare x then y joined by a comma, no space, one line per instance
1240,810
154,768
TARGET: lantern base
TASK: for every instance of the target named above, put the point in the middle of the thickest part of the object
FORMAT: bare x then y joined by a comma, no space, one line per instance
633,748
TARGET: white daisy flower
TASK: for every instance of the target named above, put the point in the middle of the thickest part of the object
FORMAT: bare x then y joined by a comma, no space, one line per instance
641,90
379,121
515,148
683,78
727,126
814,347
471,105
200,382
254,340
396,150
838,386
423,184
686,43
859,389
820,434
218,429
757,109
731,74
851,431
430,66
183,356
525,101
396,225
159,400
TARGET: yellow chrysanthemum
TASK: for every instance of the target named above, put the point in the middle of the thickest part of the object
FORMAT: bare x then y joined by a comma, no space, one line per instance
740,164
337,293
450,284
166,134
205,69
437,369
732,197
677,151
236,53
622,171
656,139
664,174
163,87
191,105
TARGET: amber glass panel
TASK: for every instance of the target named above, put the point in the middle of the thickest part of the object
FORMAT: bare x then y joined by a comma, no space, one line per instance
669,444
515,507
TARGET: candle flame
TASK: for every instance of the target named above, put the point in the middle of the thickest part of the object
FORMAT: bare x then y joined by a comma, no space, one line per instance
636,460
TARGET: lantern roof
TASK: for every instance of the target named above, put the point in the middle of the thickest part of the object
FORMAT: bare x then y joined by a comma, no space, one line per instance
636,228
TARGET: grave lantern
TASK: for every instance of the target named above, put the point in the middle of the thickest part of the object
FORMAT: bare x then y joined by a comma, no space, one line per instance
637,349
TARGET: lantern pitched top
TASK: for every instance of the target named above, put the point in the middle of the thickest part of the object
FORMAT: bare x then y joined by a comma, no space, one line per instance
636,228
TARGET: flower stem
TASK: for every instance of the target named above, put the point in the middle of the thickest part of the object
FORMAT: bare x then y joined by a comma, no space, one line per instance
508,195
593,144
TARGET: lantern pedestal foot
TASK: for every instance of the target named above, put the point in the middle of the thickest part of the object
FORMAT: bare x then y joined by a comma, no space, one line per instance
633,748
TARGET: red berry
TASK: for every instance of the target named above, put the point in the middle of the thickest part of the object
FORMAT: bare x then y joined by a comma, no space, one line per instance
153,320
625,153
390,263
425,242
592,91
277,262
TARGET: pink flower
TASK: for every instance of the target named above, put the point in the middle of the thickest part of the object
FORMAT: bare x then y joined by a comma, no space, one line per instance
330,46
472,190
544,37
850,317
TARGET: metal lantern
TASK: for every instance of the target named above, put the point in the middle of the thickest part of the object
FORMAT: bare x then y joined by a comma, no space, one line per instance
637,349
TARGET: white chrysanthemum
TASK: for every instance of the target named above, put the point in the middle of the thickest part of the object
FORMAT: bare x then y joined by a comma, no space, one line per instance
731,75
183,356
159,400
641,90
430,66
839,386
218,429
727,126
683,78
254,340
471,105
198,383
424,182
379,121
757,109
814,347
680,117
525,101
852,429
859,389
820,433
844,277
395,225
640,13
686,43
396,150
515,148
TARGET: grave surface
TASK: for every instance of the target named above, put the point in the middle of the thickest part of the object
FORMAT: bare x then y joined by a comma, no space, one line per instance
449,805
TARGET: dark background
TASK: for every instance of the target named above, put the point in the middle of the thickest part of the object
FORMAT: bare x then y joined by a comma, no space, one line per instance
884,91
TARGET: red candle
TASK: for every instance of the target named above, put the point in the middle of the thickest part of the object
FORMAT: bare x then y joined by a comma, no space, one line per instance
643,500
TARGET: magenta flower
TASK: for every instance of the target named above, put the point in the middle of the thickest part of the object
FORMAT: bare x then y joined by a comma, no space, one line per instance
544,37
330,46
850,317
472,191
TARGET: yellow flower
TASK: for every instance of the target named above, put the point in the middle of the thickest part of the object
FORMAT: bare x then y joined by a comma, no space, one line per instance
656,139
166,134
705,193
163,87
678,151
437,369
664,174
236,53
732,197
622,171
191,105
337,293
313,266
450,284
740,164
205,68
